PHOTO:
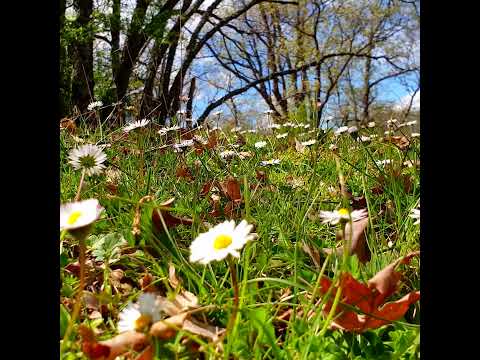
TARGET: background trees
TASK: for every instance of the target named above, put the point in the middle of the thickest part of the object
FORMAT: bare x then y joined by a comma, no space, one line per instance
338,58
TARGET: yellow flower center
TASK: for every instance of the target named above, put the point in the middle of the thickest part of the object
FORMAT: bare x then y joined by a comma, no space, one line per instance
142,322
72,219
222,241
343,212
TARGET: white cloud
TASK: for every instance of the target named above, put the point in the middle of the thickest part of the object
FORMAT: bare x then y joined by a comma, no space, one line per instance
405,101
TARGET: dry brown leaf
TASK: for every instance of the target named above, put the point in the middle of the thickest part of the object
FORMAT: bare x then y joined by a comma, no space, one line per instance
110,349
386,280
138,212
184,172
299,147
313,253
69,125
401,142
358,245
170,220
206,188
147,354
172,277
231,189
166,329
202,329
368,299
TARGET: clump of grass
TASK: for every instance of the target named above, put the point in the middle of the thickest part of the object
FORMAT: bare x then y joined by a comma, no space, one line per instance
273,274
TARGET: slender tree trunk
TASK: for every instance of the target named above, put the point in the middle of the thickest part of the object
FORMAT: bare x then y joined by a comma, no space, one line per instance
64,86
115,25
131,50
82,82
191,94
366,101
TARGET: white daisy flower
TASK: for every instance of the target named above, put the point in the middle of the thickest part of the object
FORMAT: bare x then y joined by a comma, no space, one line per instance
94,105
364,138
306,126
270,162
383,162
181,146
281,136
334,217
79,214
269,111
415,135
371,124
392,121
332,147
341,130
228,154
274,126
416,216
388,132
89,157
410,123
236,129
163,131
220,241
135,125
288,124
260,144
309,142
352,129
138,316
411,163
252,131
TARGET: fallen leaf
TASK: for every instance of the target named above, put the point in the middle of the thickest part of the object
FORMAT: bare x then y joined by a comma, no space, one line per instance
184,172
206,188
386,280
231,189
299,147
202,329
358,245
110,349
212,141
401,142
69,125
166,329
368,299
261,175
170,220
147,354
138,212
146,283
313,253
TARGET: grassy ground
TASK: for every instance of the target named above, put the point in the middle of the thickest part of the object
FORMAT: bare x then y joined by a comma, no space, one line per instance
275,273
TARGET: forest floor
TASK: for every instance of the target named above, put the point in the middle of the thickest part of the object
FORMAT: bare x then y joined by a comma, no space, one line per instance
157,199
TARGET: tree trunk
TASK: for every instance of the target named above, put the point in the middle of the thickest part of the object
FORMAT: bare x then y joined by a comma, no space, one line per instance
82,82
191,94
115,25
131,50
64,86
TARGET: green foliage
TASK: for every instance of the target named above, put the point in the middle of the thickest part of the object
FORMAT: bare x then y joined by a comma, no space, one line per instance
106,247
